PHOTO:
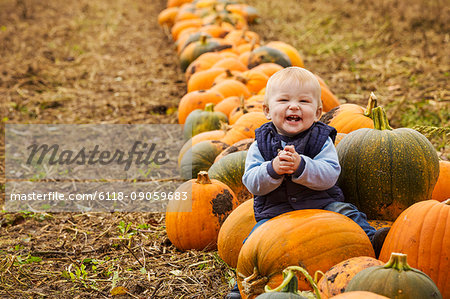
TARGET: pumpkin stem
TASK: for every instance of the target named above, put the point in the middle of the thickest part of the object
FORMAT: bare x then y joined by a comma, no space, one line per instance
253,284
209,107
229,73
203,178
242,106
372,103
290,283
380,121
203,38
398,262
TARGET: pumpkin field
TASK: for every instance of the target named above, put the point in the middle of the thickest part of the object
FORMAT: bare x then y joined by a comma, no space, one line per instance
383,69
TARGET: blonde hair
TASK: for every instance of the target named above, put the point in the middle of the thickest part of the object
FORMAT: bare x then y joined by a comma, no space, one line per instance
299,75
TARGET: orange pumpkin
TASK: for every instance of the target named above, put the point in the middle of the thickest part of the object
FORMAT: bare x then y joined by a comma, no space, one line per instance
203,62
441,190
194,222
247,47
233,232
172,3
227,105
268,68
347,118
243,109
245,127
230,63
227,74
184,14
230,87
179,26
244,57
255,98
239,37
422,232
254,80
167,16
336,279
196,100
215,30
314,239
204,79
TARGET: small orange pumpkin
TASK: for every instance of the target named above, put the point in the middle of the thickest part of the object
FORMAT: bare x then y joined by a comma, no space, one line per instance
179,26
230,87
196,100
204,79
230,63
347,118
227,105
239,37
193,221
268,68
441,190
167,16
243,109
245,127
336,279
203,62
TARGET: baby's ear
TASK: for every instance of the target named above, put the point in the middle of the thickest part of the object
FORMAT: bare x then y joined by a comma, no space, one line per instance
318,113
266,111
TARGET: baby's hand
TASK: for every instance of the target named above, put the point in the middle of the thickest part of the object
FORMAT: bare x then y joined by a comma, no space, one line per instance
281,166
290,156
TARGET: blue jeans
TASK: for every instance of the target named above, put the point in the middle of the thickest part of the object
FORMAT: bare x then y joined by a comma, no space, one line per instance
343,208
349,210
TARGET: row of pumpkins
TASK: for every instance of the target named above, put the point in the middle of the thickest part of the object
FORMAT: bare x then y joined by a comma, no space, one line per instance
390,174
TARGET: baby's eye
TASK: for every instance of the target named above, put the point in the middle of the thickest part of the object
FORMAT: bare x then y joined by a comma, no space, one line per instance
282,100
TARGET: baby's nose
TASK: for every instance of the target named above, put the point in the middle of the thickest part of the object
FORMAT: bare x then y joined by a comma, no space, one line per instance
294,106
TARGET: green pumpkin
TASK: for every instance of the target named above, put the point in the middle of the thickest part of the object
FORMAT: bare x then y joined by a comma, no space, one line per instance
197,48
199,121
229,170
267,54
200,157
396,279
385,170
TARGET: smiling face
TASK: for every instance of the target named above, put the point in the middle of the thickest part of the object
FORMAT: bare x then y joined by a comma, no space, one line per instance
293,106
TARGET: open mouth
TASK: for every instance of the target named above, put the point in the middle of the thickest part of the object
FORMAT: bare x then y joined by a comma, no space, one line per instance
293,118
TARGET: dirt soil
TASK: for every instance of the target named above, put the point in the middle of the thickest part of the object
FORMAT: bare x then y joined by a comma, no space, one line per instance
77,62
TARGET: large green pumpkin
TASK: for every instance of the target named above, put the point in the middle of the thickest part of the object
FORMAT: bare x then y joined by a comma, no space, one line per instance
200,157
229,170
396,279
199,121
386,170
